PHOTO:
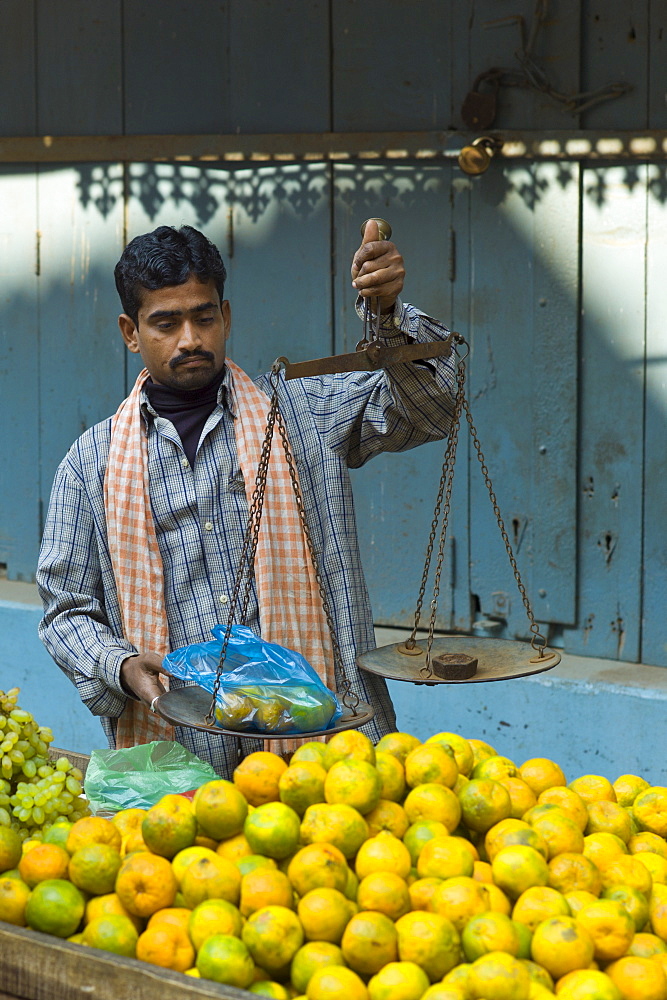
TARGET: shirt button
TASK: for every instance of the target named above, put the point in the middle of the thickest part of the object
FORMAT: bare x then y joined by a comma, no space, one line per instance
223,598
185,463
208,526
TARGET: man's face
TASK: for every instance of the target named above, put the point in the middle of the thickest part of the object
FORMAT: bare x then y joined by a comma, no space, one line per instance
181,333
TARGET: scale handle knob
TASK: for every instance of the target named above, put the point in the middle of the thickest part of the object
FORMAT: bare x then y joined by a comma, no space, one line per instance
383,227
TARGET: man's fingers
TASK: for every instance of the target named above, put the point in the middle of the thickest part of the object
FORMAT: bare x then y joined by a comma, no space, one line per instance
371,232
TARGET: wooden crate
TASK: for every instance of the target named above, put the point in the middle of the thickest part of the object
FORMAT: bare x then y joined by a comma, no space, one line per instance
80,760
36,966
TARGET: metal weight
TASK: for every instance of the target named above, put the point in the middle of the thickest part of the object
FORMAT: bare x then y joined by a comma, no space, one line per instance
384,229
475,159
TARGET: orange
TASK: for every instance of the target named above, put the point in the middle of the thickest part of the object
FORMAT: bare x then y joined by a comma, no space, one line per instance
635,902
93,830
316,866
57,833
399,745
383,853
609,817
656,864
220,809
498,976
593,788
175,916
94,868
14,896
439,991
578,899
658,911
460,747
213,916
182,861
369,941
353,782
433,801
169,826
267,988
499,902
324,914
265,887
10,848
646,841
210,878
273,829
421,892
445,857
112,932
392,776
398,981
351,744
309,958
569,872
145,883
513,831
525,937
233,848
538,903
459,899
335,982
301,785
561,945
627,870
603,848
610,926
273,935
109,905
166,945
457,977
481,750
128,823
387,815
337,824
638,978
517,868
45,861
429,763
384,892
650,810
541,773
568,802
647,945
489,932
587,984
627,787
561,833
257,777
55,907
484,802
482,872
312,750
495,767
521,795
538,975
419,833
225,959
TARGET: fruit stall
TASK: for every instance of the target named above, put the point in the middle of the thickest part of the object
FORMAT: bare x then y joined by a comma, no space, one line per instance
405,870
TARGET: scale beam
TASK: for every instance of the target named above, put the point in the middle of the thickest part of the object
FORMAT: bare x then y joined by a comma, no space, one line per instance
369,359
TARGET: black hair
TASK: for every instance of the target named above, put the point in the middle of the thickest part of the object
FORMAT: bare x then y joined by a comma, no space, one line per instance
167,256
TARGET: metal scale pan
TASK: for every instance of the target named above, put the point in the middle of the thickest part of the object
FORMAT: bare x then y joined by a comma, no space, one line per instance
189,707
458,659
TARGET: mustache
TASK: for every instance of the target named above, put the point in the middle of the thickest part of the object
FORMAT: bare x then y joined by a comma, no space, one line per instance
187,357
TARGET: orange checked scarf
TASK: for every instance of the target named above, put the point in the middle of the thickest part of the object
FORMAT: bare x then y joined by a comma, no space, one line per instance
291,612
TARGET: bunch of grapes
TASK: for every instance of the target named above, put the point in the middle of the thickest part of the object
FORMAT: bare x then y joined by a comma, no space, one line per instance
35,791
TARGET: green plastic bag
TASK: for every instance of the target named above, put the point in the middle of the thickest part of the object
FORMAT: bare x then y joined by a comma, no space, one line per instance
138,777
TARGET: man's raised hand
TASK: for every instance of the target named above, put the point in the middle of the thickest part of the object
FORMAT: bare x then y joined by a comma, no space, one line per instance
378,271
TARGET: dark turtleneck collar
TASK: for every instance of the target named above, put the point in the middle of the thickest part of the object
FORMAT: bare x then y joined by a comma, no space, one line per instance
188,409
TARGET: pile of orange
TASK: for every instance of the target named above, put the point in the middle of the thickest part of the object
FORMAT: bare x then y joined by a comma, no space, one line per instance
409,870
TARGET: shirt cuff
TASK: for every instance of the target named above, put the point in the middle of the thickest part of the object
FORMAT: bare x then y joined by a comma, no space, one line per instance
110,664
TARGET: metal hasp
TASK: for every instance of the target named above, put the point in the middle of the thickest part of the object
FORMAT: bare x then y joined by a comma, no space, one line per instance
190,706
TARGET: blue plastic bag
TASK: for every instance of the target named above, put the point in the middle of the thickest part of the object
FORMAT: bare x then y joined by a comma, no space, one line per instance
263,688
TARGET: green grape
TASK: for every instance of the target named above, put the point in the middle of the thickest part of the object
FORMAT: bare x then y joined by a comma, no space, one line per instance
29,769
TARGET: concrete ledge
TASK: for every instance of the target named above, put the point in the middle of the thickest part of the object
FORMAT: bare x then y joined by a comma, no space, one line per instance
591,716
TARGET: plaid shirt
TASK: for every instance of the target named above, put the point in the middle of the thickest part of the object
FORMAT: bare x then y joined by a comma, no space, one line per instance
334,422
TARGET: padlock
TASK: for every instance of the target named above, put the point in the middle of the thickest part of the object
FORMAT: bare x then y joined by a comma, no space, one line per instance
479,110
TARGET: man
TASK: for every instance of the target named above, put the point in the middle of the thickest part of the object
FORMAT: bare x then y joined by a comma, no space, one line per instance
148,509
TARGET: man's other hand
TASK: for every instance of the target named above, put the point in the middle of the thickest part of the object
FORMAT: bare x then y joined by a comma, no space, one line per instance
377,269
139,675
